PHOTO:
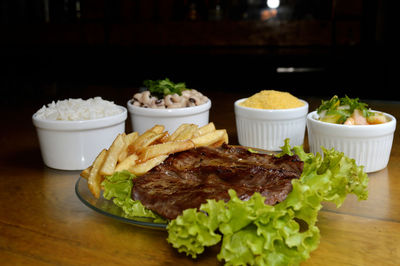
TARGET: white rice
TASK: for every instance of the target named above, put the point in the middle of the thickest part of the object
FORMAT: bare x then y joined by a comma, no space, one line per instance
78,109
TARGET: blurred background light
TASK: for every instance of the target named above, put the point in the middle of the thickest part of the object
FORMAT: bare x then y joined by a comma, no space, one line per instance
273,3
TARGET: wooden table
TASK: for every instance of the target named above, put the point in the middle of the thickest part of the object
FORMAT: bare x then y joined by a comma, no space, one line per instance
42,222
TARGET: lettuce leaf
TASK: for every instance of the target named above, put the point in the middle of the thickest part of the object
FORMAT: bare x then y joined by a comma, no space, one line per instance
118,188
254,233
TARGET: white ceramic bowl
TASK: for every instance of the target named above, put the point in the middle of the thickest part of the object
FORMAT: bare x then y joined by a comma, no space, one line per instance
144,118
74,145
369,145
268,128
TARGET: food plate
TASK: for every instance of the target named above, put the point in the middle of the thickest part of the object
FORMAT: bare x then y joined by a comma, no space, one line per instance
108,208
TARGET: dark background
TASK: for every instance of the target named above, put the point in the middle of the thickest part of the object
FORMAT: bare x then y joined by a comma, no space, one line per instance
57,49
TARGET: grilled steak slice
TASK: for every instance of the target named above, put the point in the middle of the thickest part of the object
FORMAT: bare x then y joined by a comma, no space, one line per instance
187,179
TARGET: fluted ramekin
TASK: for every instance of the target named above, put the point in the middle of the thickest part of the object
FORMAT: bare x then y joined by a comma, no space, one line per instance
368,145
74,145
144,118
267,129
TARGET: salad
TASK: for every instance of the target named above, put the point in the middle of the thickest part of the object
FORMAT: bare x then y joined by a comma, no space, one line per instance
251,232
348,111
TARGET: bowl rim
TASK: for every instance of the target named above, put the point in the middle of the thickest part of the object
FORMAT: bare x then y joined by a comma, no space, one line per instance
285,110
365,130
270,114
136,110
312,114
76,125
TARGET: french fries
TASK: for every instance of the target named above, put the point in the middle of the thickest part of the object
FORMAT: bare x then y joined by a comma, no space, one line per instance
138,154
128,139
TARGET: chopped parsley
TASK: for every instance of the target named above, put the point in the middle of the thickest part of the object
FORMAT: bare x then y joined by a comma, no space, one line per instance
162,88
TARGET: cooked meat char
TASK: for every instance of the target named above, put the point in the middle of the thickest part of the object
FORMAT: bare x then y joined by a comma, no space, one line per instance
187,179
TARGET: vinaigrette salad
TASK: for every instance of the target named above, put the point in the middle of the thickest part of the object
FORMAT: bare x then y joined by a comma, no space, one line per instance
348,111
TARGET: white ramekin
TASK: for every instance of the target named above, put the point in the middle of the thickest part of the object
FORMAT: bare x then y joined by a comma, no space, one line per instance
74,145
268,128
144,118
369,145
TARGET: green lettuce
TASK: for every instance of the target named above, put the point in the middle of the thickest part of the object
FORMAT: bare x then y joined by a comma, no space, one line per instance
253,233
118,188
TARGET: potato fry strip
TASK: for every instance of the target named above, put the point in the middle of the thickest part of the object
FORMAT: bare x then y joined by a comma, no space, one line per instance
86,172
209,138
152,139
225,139
146,138
112,156
95,179
142,168
187,133
127,163
164,148
178,131
140,140
128,139
210,127
157,129
164,138
131,137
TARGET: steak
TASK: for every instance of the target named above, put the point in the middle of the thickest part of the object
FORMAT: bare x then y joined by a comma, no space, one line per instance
187,179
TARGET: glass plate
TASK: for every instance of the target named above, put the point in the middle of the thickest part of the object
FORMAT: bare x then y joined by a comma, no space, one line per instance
108,208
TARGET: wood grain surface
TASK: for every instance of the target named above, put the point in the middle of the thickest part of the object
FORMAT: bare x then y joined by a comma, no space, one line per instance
42,222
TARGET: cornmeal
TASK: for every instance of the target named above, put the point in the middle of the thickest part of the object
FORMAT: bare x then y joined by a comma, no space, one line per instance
271,99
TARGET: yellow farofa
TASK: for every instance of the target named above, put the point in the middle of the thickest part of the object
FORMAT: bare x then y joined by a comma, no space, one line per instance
271,99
